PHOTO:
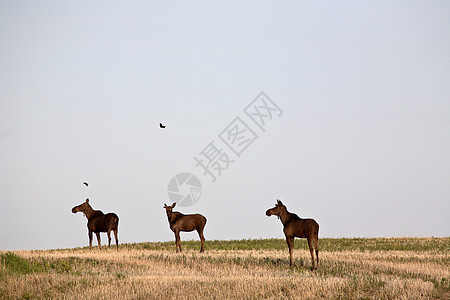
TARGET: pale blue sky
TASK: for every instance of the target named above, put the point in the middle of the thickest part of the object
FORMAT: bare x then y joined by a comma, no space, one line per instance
362,145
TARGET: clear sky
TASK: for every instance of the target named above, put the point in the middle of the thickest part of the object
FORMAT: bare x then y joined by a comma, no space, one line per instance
362,144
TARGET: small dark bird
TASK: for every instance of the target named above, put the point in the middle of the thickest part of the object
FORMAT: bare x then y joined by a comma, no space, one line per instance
161,125
85,183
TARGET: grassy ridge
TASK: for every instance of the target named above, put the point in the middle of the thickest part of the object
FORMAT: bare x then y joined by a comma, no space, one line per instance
381,268
325,244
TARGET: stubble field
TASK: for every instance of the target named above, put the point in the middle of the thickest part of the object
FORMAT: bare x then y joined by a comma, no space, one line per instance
391,268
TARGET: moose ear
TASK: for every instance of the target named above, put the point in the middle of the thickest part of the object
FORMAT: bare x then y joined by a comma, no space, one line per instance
165,205
87,200
173,205
279,202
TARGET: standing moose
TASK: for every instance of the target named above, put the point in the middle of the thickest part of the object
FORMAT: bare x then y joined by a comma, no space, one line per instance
293,227
179,222
99,222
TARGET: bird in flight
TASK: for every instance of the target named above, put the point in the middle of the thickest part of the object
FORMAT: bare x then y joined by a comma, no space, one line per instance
85,183
161,125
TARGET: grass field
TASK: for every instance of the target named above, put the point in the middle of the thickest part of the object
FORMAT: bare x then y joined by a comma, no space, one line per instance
382,268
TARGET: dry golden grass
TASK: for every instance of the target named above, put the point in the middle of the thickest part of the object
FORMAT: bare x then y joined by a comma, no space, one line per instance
134,273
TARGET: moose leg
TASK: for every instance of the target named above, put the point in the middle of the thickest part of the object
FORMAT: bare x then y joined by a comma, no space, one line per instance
290,242
98,240
311,250
90,239
202,239
109,238
117,240
317,251
177,240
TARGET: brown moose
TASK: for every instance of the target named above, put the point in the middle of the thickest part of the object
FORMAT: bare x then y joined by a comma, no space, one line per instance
180,222
294,226
99,222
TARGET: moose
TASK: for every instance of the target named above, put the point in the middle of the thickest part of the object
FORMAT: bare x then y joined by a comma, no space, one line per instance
180,222
294,226
99,222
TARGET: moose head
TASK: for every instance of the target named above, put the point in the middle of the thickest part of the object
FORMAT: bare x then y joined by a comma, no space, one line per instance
169,209
83,207
277,210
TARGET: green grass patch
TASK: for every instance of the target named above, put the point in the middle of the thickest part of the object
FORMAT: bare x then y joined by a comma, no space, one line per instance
14,264
11,263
